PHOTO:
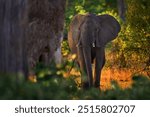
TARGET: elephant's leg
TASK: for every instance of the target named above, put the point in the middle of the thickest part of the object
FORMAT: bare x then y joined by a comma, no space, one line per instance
99,63
81,63
87,57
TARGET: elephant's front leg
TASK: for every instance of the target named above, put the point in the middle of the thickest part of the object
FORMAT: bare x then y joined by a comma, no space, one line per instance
99,63
81,62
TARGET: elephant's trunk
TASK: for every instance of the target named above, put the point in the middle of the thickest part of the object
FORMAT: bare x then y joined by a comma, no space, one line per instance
87,57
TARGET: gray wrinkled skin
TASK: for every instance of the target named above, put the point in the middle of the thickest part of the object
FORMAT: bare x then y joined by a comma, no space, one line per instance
87,37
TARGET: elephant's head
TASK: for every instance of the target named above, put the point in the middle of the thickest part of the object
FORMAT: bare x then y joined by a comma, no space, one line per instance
99,29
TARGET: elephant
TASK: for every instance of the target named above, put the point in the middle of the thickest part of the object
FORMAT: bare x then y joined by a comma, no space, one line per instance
87,36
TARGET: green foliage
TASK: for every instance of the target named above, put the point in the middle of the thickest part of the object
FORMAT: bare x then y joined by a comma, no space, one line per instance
139,26
59,88
133,43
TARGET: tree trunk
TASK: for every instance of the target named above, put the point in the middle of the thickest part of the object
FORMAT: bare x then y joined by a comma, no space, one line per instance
43,22
45,30
12,36
121,9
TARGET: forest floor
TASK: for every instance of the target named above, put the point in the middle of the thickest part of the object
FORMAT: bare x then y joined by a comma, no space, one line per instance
122,77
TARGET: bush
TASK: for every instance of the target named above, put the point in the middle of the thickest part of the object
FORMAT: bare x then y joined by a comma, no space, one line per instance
132,46
57,87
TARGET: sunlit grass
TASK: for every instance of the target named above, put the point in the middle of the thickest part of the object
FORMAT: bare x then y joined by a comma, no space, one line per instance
122,76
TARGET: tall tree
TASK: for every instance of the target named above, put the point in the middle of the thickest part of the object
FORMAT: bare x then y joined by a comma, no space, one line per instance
45,31
12,36
41,21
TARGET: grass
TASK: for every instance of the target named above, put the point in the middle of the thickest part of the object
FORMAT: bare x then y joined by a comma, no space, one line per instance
56,87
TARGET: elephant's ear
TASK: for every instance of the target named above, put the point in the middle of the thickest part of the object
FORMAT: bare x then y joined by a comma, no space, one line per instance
74,29
109,29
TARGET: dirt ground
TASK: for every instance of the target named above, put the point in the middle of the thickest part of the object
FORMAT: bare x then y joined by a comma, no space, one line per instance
122,77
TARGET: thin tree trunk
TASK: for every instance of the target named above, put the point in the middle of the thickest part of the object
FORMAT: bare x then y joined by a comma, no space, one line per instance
121,9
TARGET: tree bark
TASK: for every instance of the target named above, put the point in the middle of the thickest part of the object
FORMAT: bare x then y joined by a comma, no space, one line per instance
121,9
12,36
45,30
30,30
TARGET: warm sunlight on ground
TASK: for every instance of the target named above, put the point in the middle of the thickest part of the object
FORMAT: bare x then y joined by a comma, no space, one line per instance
123,77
